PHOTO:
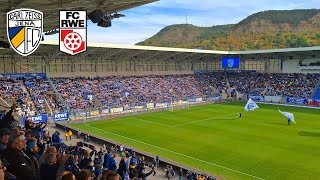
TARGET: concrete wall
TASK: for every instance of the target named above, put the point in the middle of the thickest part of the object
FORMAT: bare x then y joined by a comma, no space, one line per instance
292,66
119,73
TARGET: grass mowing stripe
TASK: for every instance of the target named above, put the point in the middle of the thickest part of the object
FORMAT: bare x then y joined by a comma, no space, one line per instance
200,160
212,118
143,120
261,144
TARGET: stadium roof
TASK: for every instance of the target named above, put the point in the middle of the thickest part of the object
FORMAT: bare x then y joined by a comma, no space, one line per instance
50,49
51,8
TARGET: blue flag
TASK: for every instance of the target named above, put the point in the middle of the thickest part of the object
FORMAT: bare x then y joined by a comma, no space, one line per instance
251,105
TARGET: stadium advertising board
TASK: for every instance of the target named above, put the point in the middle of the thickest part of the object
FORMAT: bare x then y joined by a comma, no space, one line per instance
203,72
314,102
199,99
257,98
297,100
139,107
165,105
150,105
272,98
192,100
20,75
230,63
160,105
61,116
36,119
116,110
94,113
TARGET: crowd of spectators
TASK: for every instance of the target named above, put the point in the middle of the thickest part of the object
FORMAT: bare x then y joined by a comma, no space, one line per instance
283,84
40,91
101,92
76,91
31,153
13,91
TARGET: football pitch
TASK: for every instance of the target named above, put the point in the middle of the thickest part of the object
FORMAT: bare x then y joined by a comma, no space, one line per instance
213,138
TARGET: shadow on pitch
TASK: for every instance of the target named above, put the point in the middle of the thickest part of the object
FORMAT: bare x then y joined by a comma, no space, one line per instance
311,134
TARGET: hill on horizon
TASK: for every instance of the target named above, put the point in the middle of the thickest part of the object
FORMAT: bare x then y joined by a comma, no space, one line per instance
263,30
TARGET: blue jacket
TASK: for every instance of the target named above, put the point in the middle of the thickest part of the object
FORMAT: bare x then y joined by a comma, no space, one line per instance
106,160
59,140
112,164
54,138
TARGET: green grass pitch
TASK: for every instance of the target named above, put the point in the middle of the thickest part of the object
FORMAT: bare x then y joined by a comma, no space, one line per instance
213,139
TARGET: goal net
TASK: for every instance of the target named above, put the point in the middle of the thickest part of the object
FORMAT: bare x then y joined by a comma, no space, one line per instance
173,106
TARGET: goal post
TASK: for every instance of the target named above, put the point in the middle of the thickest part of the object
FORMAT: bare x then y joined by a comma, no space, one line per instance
179,105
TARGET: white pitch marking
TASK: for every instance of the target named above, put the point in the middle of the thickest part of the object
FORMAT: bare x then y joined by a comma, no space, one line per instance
190,157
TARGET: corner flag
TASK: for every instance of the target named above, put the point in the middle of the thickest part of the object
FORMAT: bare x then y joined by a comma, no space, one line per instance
290,116
251,105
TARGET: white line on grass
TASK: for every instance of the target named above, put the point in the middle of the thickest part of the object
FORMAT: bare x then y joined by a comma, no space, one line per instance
204,120
190,157
139,119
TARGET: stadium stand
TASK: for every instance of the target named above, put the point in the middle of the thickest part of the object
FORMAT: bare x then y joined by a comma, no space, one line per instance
47,156
37,96
316,94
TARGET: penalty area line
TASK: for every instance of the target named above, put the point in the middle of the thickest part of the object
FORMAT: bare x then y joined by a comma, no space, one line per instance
174,152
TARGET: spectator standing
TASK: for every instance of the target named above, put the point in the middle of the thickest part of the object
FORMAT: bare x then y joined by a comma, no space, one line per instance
144,175
20,164
32,150
79,134
157,161
112,164
70,134
67,135
4,138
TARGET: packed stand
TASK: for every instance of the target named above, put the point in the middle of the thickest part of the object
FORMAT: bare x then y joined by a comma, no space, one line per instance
291,85
12,91
31,153
40,91
86,93
110,91
162,88
75,91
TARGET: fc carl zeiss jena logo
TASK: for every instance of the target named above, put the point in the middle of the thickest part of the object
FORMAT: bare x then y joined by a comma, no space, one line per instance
73,32
24,30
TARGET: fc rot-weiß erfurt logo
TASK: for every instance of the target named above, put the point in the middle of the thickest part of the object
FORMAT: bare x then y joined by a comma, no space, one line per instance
73,32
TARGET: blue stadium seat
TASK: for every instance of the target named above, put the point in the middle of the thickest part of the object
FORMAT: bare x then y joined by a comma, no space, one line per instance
316,94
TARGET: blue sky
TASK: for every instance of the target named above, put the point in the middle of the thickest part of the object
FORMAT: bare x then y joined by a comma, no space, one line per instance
144,21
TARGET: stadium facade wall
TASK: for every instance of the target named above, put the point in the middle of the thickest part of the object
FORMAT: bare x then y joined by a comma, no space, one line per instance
119,73
292,66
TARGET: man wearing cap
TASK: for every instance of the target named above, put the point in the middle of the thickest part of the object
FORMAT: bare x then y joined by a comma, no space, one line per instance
20,164
4,138
32,150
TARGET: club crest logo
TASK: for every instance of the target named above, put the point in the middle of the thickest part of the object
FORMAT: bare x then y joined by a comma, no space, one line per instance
230,63
24,30
73,32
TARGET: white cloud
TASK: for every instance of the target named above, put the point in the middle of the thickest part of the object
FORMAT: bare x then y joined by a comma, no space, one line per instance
238,4
143,22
